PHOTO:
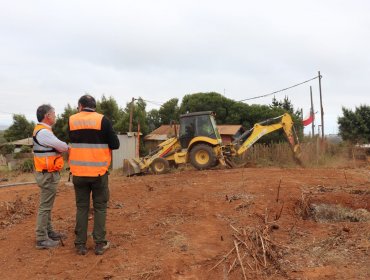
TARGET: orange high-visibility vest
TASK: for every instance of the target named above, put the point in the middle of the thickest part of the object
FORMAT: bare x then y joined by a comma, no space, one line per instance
46,159
88,159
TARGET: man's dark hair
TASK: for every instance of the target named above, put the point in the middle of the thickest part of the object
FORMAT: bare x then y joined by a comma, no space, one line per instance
42,111
87,101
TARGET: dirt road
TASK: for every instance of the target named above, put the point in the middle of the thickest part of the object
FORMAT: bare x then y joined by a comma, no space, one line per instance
270,223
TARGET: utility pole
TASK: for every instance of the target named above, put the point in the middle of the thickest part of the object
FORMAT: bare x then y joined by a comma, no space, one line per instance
312,114
131,113
322,109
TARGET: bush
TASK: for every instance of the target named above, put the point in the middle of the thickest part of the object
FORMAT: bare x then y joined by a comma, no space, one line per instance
26,149
7,149
26,166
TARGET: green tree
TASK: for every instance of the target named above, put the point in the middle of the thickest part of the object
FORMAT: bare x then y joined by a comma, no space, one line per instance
20,129
286,105
210,101
169,111
60,127
153,119
229,111
275,103
139,115
354,126
109,108
237,113
2,139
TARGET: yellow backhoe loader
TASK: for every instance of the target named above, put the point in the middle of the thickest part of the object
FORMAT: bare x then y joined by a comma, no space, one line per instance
199,143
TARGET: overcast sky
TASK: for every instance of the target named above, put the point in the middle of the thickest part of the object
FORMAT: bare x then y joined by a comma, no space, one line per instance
55,51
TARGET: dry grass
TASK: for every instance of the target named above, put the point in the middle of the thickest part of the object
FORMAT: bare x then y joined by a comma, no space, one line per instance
314,154
336,213
302,206
12,212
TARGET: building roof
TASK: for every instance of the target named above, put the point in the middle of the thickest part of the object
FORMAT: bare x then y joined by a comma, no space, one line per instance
165,131
229,129
162,133
23,142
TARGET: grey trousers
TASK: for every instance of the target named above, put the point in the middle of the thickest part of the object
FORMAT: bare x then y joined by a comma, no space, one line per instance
48,183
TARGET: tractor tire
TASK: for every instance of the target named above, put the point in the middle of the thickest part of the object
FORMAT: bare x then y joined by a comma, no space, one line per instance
160,166
202,156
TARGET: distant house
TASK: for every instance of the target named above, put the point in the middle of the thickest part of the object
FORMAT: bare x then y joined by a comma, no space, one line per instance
12,160
23,142
19,143
160,134
228,134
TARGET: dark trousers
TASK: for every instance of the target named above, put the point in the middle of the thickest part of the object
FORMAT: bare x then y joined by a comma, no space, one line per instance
98,186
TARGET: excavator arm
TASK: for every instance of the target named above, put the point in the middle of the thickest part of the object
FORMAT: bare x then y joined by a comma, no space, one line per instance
248,138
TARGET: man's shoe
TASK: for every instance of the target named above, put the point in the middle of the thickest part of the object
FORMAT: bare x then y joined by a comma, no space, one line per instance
56,236
100,248
46,244
81,249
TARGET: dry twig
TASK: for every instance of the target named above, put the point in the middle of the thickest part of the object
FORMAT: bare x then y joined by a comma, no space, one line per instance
345,176
264,250
234,228
278,192
93,267
224,258
277,216
240,260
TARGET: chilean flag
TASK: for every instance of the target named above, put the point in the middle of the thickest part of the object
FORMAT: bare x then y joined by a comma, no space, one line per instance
308,120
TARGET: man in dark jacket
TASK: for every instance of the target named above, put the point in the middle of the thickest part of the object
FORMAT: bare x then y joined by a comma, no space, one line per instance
92,138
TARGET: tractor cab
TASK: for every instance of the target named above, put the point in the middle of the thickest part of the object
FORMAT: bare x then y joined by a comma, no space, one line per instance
197,124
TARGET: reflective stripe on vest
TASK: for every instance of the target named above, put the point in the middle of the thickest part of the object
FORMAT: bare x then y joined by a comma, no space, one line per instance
37,154
88,159
89,146
87,163
45,158
85,120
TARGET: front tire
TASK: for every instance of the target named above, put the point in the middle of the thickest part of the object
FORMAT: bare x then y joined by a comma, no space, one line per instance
160,166
202,156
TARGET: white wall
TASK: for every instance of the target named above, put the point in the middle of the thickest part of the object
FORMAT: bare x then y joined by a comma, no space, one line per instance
126,150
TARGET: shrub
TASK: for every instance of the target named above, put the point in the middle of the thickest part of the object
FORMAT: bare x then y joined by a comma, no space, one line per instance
26,166
26,149
7,149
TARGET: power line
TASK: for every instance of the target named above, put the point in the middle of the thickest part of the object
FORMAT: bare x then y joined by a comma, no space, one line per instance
153,102
284,89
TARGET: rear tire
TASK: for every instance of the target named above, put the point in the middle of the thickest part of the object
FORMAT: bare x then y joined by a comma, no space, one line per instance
160,166
202,156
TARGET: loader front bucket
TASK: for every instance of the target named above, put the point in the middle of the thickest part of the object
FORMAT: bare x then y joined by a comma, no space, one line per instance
130,167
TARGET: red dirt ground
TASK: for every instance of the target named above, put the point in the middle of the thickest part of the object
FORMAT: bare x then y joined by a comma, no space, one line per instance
181,225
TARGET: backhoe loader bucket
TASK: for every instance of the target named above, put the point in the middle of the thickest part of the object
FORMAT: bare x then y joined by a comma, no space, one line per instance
130,167
297,153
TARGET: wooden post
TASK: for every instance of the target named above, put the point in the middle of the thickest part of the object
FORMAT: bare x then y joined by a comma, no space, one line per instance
302,121
313,114
137,155
318,146
131,113
322,109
